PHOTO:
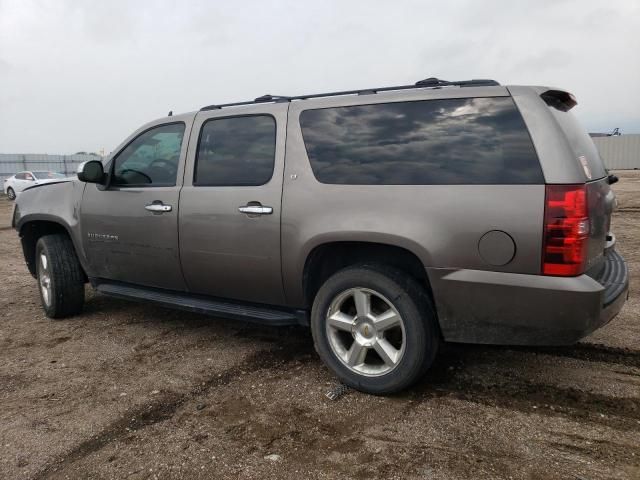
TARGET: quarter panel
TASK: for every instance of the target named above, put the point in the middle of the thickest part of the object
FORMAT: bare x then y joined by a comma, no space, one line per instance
440,224
557,160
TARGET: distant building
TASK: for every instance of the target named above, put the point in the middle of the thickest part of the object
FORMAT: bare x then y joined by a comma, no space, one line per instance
619,152
11,163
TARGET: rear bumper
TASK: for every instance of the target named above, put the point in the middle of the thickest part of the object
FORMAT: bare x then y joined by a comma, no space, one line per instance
476,306
615,280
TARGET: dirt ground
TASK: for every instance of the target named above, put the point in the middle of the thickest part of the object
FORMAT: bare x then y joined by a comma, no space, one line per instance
135,391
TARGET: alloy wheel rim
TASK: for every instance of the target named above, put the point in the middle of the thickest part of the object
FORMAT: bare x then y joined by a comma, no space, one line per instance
45,279
365,331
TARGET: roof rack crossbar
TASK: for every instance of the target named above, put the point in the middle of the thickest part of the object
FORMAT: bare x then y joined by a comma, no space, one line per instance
272,98
426,83
436,82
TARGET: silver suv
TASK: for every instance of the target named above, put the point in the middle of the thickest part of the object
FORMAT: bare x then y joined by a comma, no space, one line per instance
387,219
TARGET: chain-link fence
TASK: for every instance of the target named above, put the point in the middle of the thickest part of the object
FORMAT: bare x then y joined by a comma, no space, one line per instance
11,163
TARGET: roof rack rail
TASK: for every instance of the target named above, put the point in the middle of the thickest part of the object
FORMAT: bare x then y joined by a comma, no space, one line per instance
431,82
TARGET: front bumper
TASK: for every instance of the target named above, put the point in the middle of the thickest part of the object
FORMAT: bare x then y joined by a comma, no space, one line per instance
476,306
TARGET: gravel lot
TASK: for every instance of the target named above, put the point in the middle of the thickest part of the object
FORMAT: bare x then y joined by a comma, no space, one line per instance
135,391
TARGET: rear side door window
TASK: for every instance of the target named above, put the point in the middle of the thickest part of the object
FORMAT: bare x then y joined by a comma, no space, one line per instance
432,142
151,159
236,151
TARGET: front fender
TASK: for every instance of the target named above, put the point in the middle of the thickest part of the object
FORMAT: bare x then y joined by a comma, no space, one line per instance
57,203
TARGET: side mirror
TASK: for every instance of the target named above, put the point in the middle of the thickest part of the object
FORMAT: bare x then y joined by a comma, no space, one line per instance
91,172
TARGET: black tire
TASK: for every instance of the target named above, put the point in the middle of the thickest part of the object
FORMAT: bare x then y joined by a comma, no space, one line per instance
11,195
421,331
66,278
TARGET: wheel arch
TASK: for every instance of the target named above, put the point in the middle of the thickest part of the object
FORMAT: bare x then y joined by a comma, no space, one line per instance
31,228
325,259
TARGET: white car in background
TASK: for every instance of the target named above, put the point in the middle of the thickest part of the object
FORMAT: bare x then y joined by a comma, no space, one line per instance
21,180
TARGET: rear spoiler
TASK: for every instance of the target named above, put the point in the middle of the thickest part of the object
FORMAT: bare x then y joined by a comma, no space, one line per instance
559,99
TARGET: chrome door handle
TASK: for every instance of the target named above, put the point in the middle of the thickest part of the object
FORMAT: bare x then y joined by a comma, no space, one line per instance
256,210
158,207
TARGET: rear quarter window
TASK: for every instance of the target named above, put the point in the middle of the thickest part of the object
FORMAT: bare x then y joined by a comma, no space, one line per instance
433,142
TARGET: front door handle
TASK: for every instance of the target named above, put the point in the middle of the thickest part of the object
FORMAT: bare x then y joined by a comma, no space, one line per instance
158,207
256,210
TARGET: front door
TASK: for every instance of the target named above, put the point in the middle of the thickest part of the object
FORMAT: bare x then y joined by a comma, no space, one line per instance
230,204
130,228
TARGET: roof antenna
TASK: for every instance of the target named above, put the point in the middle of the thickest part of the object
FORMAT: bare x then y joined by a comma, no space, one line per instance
170,113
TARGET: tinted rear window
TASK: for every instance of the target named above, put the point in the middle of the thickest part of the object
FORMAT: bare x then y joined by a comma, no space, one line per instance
581,143
433,142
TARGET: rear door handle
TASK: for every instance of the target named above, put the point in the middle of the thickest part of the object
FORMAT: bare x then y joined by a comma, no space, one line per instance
256,210
158,207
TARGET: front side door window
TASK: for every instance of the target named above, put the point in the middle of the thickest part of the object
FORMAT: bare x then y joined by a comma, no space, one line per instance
151,159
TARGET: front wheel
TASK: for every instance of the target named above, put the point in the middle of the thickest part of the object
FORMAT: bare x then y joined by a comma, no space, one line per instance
60,276
375,327
11,194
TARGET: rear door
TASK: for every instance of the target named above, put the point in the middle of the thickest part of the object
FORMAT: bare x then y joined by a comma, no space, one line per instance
230,204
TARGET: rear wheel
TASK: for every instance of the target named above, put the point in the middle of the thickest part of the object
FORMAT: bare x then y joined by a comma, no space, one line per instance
375,327
60,277
11,194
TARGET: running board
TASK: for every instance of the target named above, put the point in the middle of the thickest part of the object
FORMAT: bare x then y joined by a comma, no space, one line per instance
247,312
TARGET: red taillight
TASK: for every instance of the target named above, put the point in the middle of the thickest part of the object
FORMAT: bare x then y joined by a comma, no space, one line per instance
566,230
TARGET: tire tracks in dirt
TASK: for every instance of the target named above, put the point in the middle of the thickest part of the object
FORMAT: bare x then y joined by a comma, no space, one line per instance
591,352
510,391
165,407
549,400
444,380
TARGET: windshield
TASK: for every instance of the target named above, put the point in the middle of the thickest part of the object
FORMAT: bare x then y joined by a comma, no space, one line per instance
48,175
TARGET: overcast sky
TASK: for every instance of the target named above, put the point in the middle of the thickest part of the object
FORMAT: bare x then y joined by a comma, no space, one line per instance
82,75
